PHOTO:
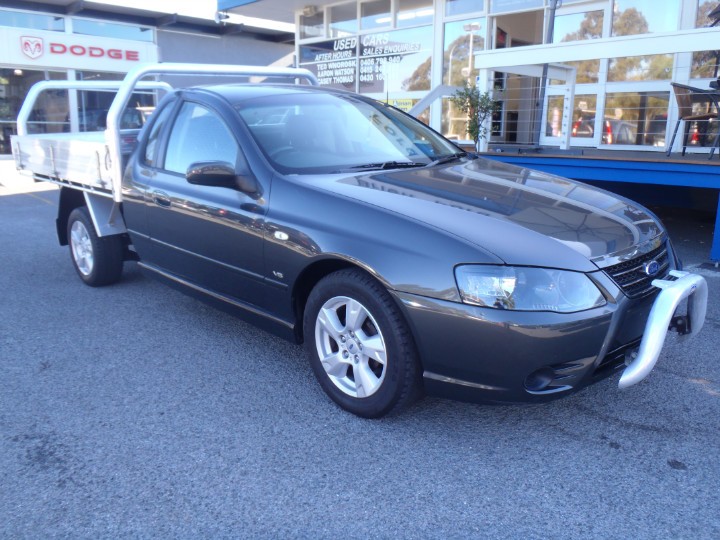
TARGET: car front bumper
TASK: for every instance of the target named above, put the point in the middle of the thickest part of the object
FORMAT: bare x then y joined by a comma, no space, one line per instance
481,354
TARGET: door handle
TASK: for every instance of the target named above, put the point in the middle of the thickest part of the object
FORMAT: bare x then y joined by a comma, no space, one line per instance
161,198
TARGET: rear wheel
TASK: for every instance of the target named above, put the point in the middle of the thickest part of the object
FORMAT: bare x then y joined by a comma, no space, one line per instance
359,346
97,260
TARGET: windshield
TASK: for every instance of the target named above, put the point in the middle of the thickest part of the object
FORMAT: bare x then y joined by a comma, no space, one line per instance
302,133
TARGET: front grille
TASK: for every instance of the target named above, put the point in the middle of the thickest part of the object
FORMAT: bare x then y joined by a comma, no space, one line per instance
615,359
630,275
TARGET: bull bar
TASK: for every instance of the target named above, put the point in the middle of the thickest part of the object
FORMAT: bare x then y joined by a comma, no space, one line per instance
687,285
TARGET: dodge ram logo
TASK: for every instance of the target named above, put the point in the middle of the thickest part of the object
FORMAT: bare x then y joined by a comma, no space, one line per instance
32,47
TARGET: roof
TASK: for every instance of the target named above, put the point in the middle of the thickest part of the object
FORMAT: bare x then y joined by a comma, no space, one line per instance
236,93
162,20
277,10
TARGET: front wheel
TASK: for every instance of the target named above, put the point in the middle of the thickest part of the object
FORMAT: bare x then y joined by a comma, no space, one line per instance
359,345
97,260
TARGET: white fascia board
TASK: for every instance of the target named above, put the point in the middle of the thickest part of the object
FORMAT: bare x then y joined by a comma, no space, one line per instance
696,39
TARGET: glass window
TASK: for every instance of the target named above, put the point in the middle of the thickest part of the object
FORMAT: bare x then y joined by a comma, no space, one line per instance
502,6
705,7
631,17
93,105
553,119
151,148
414,12
705,65
462,40
375,14
641,68
638,118
314,131
312,26
461,7
454,123
584,116
343,20
578,26
17,19
397,61
51,109
586,71
113,30
199,135
333,62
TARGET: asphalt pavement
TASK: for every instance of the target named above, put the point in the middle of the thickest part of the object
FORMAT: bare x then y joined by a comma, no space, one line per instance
135,411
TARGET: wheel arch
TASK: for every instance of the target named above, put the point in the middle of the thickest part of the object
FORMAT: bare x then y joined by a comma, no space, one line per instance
70,199
313,273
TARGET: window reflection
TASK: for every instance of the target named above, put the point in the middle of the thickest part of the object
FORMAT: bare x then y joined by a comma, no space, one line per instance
461,7
454,123
502,6
635,118
397,61
705,7
705,65
462,40
51,110
414,12
17,19
93,105
578,26
51,113
641,68
583,120
312,26
106,29
343,20
584,113
586,71
631,17
375,14
553,119
198,135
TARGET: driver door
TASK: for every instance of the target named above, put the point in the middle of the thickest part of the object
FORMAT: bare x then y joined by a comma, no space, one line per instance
206,235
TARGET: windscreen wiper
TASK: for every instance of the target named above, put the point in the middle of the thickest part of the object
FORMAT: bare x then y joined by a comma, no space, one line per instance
390,165
447,159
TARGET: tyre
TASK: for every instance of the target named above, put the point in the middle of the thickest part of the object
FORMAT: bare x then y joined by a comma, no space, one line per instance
359,345
97,260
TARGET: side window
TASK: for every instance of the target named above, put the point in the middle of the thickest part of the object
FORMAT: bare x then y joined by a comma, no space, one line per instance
150,156
199,135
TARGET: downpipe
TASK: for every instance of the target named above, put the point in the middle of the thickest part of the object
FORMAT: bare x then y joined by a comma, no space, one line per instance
690,286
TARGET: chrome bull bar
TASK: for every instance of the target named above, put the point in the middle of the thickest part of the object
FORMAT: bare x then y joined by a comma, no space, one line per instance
690,286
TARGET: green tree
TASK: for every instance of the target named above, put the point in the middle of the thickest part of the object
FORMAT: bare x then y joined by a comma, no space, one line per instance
479,108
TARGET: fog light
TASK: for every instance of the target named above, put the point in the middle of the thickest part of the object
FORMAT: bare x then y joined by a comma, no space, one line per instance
539,380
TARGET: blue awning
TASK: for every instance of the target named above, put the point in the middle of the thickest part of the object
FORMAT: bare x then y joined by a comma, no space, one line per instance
224,5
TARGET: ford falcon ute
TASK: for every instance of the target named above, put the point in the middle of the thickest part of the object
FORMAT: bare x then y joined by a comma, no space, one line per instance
404,264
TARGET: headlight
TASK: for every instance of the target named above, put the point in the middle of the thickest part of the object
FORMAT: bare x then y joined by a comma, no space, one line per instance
527,289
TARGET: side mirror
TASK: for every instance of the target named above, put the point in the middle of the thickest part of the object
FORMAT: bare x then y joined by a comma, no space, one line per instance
223,174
